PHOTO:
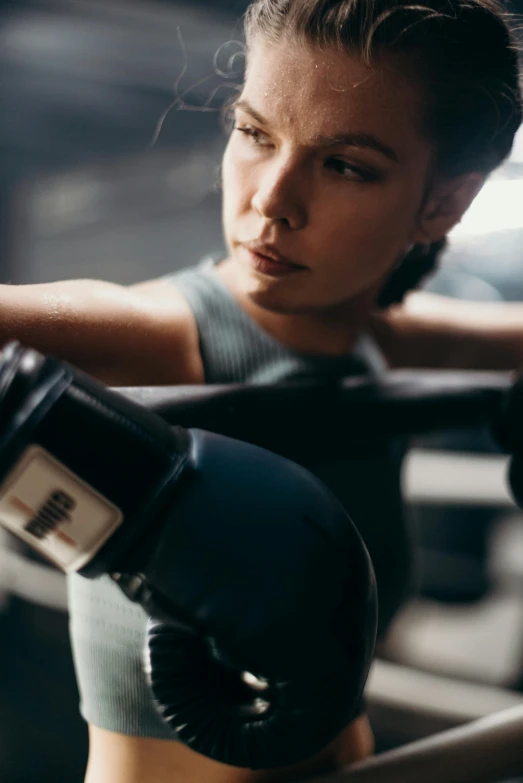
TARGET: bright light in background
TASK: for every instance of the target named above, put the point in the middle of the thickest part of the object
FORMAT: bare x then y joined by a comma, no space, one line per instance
499,206
517,152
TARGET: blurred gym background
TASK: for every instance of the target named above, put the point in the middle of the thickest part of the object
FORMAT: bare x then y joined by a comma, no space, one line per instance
110,145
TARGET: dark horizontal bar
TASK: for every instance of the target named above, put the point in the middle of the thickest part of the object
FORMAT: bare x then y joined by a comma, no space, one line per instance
300,419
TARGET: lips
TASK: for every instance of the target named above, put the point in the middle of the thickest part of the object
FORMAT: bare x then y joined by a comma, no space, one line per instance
269,267
271,254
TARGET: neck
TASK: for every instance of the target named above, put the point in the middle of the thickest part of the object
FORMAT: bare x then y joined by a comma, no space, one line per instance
331,331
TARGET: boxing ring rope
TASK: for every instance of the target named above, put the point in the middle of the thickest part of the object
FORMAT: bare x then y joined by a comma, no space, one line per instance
297,420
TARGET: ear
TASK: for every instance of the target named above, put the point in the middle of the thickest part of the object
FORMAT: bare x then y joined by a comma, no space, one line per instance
446,204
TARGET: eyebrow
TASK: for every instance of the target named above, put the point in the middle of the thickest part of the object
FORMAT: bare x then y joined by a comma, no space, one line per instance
357,139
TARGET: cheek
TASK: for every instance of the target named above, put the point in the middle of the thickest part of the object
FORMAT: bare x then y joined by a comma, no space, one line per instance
230,199
362,239
379,219
235,180
227,173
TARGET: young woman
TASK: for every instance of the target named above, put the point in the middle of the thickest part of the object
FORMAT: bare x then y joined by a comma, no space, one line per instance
364,130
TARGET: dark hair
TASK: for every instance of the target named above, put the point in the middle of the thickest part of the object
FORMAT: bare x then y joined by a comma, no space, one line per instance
463,54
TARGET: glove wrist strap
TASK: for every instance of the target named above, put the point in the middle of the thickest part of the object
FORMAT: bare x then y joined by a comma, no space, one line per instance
86,461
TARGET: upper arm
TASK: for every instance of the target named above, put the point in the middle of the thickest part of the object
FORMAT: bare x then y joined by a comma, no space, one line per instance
121,335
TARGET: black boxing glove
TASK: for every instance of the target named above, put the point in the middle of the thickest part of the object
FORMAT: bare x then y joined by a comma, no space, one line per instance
262,591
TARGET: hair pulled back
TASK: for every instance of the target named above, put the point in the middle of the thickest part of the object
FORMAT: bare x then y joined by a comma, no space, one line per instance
461,52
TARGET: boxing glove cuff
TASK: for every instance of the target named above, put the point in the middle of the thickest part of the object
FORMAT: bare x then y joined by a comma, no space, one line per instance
122,464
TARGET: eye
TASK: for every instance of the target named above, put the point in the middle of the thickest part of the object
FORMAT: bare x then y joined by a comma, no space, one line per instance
348,171
256,137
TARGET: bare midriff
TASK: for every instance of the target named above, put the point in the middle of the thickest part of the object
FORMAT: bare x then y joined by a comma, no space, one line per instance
115,758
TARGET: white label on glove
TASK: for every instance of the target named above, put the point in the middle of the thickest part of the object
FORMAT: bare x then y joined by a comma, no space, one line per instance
51,509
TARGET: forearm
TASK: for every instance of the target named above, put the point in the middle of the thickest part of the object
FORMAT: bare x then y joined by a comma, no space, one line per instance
438,332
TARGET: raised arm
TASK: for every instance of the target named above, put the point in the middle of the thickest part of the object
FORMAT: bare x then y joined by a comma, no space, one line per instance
428,330
142,335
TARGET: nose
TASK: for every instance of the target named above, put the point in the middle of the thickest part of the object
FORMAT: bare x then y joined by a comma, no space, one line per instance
281,195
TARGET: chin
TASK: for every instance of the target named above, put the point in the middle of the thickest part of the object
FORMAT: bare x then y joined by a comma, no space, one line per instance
273,294
276,304
276,299
293,295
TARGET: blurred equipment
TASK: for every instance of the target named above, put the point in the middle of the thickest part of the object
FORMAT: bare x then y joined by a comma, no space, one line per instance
88,90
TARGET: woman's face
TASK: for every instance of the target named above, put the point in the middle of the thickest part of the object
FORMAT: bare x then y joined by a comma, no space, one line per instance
326,167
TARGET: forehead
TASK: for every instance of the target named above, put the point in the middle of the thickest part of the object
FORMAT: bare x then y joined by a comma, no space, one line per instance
310,92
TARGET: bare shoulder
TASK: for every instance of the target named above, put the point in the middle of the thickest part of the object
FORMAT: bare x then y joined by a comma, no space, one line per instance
141,335
172,333
160,288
